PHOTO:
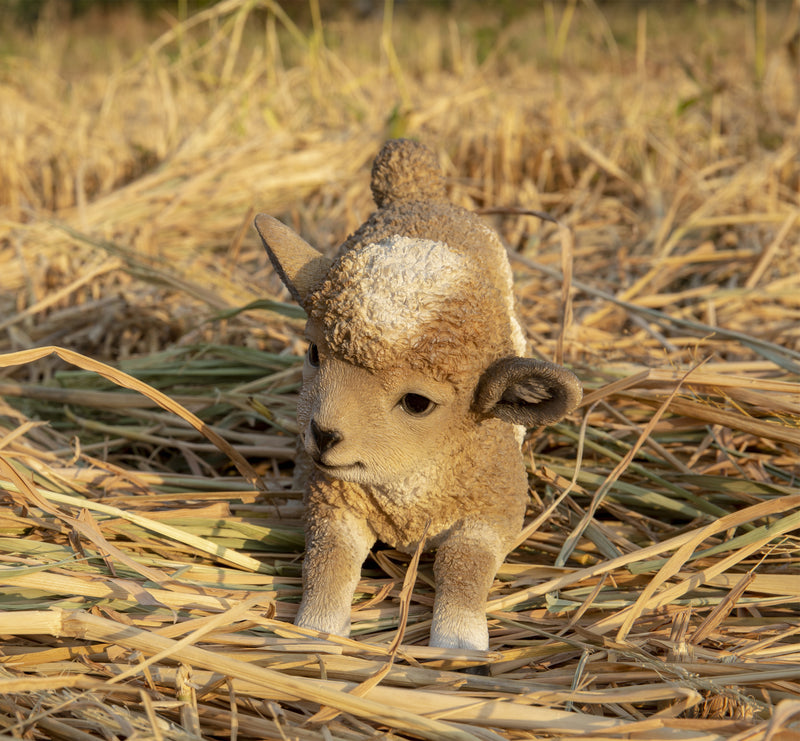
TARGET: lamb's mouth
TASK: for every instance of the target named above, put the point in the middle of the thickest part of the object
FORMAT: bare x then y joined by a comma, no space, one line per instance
338,471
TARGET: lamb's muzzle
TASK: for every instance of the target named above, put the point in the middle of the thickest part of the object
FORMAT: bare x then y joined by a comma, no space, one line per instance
324,439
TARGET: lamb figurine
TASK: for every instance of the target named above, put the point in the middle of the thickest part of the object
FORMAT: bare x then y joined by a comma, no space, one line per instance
415,396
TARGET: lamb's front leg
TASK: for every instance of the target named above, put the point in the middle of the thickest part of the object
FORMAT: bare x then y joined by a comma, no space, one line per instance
337,542
465,566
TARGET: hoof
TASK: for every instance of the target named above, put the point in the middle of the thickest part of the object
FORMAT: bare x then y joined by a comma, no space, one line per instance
482,670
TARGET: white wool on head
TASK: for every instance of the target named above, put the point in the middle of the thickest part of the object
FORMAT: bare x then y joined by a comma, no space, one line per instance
410,301
405,281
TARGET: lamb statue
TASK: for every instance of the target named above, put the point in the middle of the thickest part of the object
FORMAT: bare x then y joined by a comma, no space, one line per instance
415,397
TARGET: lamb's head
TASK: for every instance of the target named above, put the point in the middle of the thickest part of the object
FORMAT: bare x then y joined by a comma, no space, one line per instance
409,356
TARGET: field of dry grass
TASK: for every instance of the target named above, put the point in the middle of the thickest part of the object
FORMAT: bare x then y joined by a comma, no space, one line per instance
150,541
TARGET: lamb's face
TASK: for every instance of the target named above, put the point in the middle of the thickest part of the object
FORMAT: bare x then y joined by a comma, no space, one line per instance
374,427
399,334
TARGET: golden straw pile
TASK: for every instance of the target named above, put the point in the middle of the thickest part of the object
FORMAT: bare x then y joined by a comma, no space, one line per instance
150,541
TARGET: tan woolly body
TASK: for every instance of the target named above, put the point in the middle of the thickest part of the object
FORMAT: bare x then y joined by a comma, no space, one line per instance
413,396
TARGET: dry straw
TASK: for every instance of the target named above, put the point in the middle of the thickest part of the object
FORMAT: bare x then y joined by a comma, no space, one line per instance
150,538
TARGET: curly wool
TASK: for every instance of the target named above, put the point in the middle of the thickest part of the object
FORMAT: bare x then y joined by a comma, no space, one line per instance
384,328
409,190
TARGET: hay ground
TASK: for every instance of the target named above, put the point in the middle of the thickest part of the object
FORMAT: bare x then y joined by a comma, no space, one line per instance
150,542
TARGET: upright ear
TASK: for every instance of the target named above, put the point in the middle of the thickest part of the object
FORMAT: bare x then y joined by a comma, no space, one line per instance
526,392
299,265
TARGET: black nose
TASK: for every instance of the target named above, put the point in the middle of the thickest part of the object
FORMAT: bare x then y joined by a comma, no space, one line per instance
324,439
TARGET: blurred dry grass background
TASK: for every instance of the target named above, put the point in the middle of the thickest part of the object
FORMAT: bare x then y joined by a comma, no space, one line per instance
145,461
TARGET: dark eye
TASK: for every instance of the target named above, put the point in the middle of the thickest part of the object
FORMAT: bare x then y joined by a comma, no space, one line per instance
417,405
313,356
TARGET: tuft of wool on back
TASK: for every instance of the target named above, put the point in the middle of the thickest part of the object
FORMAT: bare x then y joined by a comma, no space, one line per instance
405,170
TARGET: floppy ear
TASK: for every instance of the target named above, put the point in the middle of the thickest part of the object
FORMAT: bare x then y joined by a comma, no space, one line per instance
299,265
526,392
